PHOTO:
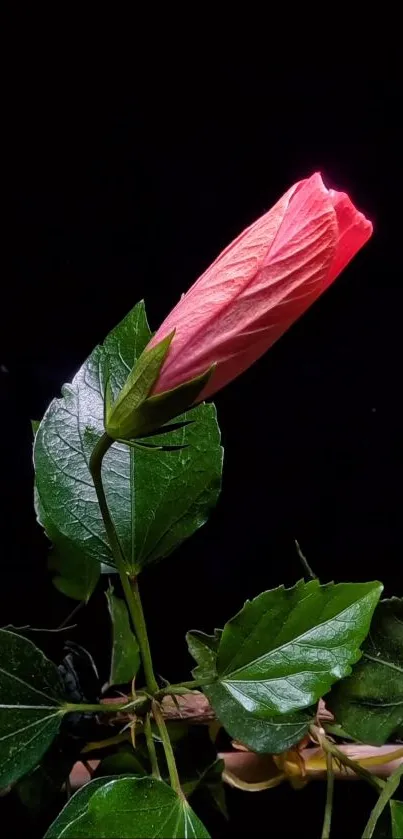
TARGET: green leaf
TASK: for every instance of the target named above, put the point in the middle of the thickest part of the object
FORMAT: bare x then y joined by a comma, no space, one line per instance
126,808
286,647
279,655
125,660
204,649
369,704
272,735
157,499
396,812
68,433
31,694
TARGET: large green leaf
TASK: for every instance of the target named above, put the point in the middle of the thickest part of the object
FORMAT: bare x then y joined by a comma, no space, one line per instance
126,808
157,498
369,704
125,660
286,647
279,655
271,735
31,696
396,812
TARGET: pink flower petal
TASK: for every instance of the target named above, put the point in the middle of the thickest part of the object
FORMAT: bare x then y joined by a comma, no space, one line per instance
354,231
260,284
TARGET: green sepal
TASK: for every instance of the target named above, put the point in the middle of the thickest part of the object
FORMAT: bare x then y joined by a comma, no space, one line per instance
154,411
35,425
138,444
138,385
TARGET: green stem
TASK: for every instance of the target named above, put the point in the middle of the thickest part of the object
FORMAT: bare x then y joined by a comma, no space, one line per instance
331,749
132,595
327,819
169,754
104,708
183,687
151,748
142,636
389,788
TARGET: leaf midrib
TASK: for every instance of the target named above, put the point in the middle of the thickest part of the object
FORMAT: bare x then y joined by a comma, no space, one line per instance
30,688
383,662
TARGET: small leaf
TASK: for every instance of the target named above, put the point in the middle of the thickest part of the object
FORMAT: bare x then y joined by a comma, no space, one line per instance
31,694
369,704
396,813
153,510
272,735
125,660
126,808
204,649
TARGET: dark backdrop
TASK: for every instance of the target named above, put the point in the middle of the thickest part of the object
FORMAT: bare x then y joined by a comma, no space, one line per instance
128,188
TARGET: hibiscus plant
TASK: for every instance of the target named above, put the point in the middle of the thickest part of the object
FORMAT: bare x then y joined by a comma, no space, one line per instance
306,682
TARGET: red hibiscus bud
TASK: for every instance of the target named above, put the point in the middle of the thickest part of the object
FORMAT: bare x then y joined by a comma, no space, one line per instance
259,285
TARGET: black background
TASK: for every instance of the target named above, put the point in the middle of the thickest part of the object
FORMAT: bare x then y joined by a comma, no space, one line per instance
123,188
